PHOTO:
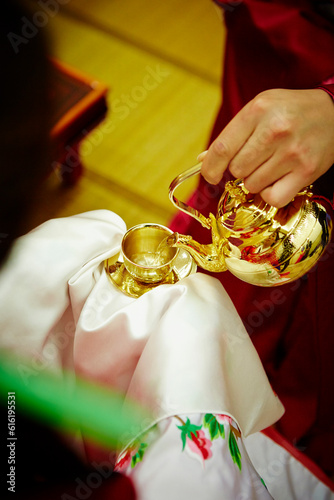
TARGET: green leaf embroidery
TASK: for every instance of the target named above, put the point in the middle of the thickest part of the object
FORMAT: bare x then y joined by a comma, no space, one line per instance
264,484
215,428
138,457
234,449
186,430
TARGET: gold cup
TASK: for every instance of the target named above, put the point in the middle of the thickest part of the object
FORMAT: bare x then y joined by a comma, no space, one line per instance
142,256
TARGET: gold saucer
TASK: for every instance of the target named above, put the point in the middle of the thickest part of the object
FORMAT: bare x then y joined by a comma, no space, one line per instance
119,276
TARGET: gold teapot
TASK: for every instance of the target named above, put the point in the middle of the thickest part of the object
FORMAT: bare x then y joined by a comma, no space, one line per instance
256,242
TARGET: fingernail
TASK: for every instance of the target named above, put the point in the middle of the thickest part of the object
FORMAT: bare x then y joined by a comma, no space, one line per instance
201,156
211,179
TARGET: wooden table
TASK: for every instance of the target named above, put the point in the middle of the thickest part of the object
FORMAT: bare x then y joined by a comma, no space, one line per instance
79,105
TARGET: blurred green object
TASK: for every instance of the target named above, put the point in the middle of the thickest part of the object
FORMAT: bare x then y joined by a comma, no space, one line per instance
70,404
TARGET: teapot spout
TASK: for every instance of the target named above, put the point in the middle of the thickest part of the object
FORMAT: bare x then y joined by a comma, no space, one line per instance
208,257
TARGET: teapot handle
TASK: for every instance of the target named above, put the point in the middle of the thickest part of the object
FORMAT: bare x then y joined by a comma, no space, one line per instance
206,222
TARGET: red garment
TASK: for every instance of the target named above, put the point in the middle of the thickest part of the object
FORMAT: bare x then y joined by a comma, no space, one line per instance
282,44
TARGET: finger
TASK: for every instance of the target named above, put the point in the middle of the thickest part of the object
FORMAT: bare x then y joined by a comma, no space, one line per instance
283,190
226,146
267,174
257,150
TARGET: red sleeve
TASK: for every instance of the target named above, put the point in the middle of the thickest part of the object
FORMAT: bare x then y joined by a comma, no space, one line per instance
328,88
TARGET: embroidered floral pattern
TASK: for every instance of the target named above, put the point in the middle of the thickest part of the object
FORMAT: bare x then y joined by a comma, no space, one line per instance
211,439
138,456
216,429
215,424
199,444
234,448
131,456
124,461
194,436
196,439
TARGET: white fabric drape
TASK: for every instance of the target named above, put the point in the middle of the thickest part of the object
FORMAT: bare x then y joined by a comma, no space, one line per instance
178,349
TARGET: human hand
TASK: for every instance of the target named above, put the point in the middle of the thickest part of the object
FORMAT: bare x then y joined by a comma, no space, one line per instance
280,142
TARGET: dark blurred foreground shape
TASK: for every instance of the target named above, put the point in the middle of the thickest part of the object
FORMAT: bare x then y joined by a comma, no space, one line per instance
46,468
24,122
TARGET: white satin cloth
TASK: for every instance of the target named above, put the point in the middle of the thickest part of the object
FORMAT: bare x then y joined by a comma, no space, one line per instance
179,349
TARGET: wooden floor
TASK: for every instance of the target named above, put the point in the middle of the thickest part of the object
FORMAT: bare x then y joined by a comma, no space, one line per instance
162,63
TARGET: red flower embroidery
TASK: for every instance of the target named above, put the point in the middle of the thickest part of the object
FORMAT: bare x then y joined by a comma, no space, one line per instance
123,462
224,419
199,444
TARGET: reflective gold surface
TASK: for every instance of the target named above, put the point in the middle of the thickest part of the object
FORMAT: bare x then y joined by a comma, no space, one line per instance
140,253
256,242
145,264
210,257
126,283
